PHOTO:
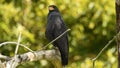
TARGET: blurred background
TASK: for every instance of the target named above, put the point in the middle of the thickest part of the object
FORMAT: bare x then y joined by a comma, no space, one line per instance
92,24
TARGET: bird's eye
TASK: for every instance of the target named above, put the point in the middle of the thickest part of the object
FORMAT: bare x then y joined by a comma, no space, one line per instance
51,8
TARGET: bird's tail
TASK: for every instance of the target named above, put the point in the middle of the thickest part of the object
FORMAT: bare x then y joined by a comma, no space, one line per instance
64,55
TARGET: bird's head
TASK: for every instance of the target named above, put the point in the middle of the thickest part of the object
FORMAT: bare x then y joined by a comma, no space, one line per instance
53,8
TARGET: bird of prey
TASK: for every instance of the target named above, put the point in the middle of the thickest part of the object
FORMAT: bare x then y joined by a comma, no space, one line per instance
55,27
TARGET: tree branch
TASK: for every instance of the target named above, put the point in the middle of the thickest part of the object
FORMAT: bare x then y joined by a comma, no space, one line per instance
118,2
51,55
117,9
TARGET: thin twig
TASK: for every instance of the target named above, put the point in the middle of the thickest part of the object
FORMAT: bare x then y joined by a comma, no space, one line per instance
4,57
19,38
55,39
104,48
94,59
4,43
14,60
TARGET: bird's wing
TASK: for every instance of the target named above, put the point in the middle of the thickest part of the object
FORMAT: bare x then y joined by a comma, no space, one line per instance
51,26
55,26
59,25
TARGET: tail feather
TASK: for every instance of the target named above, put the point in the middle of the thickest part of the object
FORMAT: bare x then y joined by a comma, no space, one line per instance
63,47
64,55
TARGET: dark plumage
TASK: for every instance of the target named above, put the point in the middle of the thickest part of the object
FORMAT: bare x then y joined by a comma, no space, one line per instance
55,27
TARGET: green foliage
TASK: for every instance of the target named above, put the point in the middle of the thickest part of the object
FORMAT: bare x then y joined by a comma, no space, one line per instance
92,25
